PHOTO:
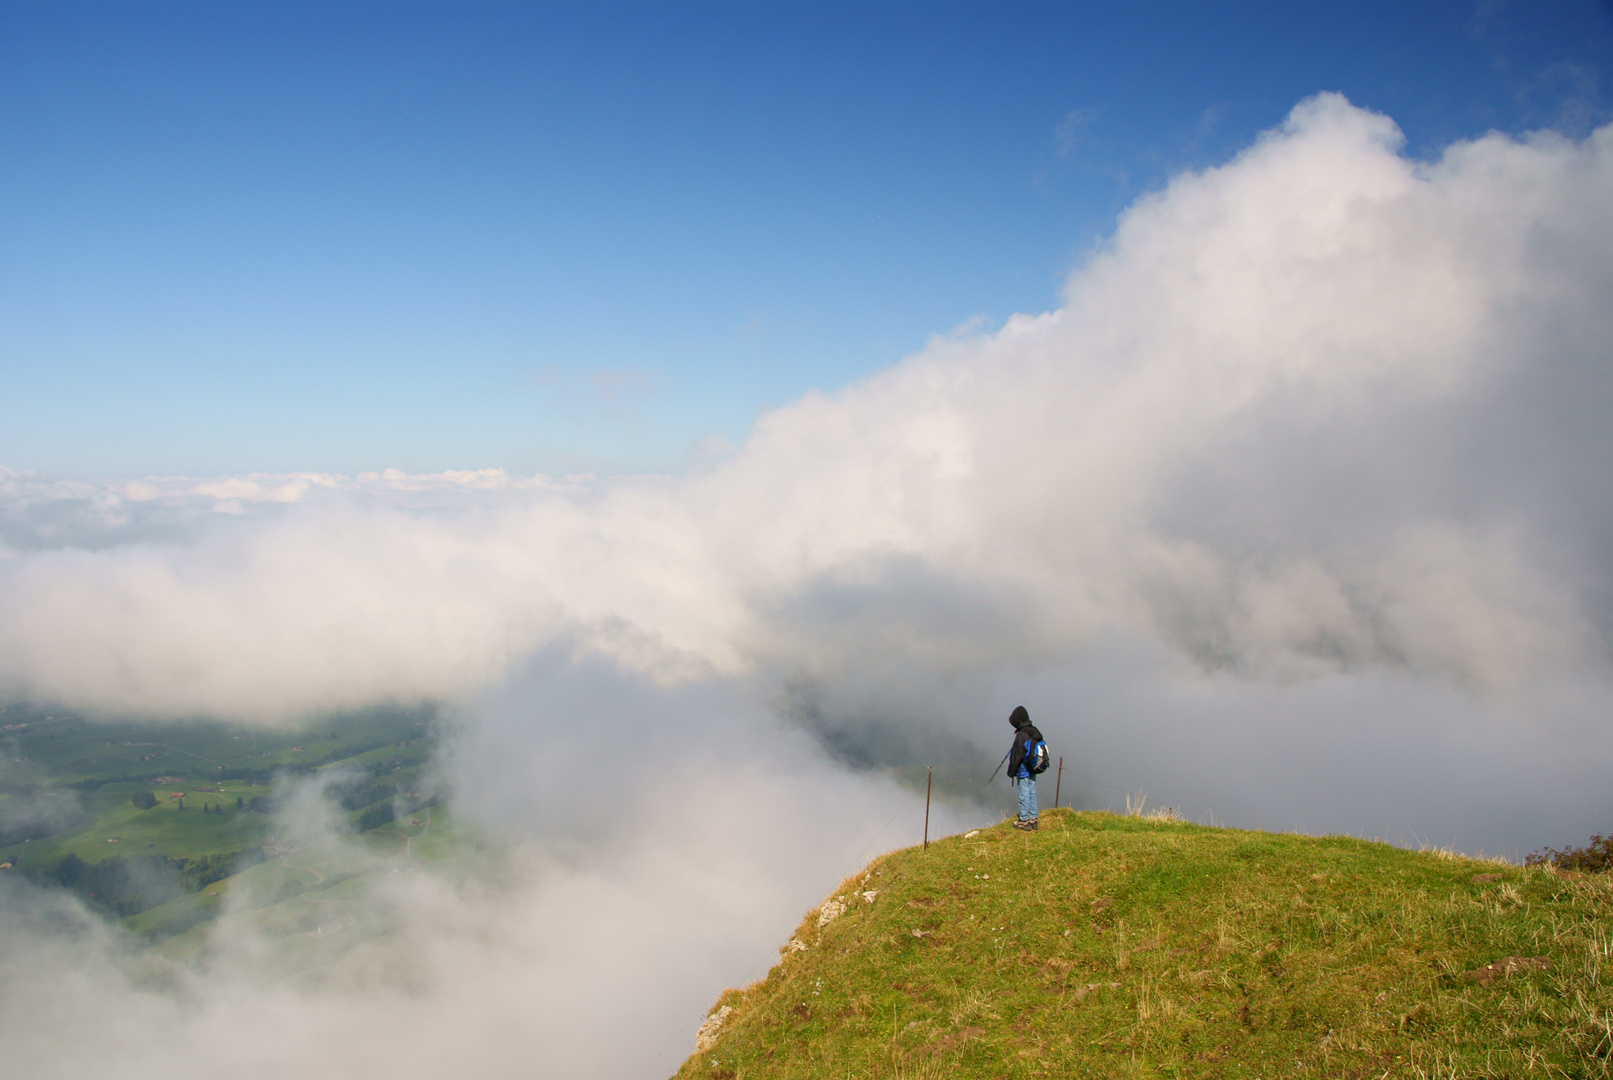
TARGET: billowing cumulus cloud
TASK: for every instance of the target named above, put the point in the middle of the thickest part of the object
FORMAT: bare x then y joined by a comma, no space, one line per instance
1295,511
1322,409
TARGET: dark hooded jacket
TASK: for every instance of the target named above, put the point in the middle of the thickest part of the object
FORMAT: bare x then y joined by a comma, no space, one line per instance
1025,737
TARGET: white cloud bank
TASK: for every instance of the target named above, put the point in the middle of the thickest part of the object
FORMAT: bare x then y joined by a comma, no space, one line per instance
1319,410
1297,511
1321,413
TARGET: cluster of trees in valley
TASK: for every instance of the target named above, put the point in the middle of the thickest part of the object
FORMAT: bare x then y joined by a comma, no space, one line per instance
128,885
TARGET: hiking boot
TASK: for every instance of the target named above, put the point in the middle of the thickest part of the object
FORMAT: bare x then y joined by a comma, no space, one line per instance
1027,826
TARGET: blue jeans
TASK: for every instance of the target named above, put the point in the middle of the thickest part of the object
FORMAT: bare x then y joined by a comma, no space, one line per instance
1027,797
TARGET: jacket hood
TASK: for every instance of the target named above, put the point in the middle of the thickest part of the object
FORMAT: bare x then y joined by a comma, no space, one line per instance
1019,717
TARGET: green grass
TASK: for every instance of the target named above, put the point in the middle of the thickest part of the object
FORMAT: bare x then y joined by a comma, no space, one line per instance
1113,946
62,749
162,830
99,766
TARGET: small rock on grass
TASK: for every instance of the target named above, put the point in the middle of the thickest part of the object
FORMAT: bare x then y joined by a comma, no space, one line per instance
706,1037
830,911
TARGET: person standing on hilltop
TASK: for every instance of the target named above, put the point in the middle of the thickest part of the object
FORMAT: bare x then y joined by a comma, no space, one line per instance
1021,762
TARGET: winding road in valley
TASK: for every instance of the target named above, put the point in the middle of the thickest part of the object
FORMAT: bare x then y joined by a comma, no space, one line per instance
408,840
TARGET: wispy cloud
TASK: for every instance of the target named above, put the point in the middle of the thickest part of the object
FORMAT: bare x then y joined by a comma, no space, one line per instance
1071,130
622,900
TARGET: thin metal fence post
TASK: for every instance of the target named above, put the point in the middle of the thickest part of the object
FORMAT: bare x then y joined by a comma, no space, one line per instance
1057,781
929,778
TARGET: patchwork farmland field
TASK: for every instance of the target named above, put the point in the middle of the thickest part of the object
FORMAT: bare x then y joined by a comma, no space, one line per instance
167,827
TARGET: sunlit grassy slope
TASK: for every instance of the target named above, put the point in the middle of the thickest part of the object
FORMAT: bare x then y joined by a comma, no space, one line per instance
1115,946
322,912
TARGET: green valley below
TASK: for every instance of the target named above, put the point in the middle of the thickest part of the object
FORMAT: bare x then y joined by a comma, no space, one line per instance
169,828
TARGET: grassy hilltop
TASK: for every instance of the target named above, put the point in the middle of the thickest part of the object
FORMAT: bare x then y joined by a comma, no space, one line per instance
1118,946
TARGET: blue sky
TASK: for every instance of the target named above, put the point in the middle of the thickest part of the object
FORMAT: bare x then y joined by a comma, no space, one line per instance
559,237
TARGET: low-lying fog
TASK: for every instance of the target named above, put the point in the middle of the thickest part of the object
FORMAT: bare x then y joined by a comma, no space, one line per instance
1295,513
